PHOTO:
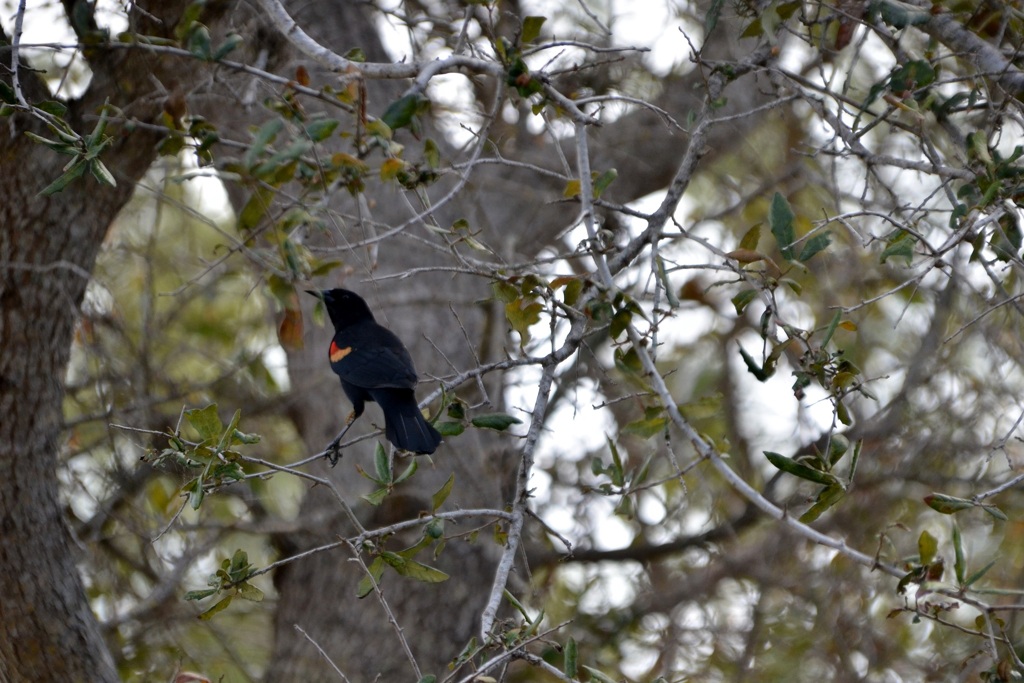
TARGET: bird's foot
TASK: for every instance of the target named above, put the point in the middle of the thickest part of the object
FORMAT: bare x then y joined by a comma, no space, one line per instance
333,452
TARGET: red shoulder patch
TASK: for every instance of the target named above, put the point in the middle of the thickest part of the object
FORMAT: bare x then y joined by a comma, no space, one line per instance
337,353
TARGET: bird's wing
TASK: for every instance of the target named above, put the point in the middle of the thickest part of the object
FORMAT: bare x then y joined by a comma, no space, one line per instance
373,366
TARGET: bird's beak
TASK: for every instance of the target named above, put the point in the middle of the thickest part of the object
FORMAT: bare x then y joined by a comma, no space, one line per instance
318,294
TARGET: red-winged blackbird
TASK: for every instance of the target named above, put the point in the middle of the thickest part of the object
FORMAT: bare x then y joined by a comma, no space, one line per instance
374,365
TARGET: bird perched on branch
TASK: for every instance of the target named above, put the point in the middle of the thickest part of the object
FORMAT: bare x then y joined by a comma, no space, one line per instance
374,365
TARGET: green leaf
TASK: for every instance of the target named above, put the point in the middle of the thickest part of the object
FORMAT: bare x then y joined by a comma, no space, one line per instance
572,189
199,41
601,183
900,15
206,422
441,495
229,431
711,16
831,329
232,41
239,562
431,154
434,530
827,497
320,130
7,95
531,28
365,587
814,245
647,428
620,322
662,272
743,299
379,129
973,578
189,16
382,465
413,569
995,512
505,292
900,245
266,135
927,547
515,603
408,472
52,107
615,470
911,76
628,363
220,606
201,594
703,408
242,437
391,168
277,169
959,563
496,421
254,210
171,145
1007,238
249,592
751,238
780,220
798,469
449,428
854,459
520,78
596,675
400,113
762,374
196,492
838,446
843,413
787,9
377,496
74,172
753,29
573,291
947,505
571,654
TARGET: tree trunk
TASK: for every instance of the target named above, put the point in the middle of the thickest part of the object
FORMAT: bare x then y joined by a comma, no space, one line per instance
47,248
47,631
48,245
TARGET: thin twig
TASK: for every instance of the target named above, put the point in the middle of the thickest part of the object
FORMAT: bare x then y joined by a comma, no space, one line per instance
321,651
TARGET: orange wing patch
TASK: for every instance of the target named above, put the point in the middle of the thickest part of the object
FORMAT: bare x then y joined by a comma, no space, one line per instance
337,353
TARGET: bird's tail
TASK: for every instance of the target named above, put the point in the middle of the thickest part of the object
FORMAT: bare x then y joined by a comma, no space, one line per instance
404,424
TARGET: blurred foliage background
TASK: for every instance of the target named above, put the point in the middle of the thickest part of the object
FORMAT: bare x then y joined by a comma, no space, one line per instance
823,263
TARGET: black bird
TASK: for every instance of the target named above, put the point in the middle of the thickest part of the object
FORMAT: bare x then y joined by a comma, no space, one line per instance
374,365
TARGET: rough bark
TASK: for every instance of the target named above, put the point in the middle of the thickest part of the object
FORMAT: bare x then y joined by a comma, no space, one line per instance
48,245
